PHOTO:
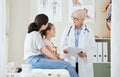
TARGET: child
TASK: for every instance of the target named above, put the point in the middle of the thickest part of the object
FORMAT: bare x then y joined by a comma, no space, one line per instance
48,33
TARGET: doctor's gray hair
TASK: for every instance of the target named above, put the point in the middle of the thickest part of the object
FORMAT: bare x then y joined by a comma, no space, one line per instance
79,13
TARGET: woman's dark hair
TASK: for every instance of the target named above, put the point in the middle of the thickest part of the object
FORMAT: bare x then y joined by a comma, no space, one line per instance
44,32
40,19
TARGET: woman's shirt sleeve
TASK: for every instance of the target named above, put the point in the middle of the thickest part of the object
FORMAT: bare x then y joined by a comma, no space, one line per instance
39,42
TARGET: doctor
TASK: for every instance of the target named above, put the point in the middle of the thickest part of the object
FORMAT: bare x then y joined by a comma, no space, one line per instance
80,36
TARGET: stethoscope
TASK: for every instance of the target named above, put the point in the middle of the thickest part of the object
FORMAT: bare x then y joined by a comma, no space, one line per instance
86,29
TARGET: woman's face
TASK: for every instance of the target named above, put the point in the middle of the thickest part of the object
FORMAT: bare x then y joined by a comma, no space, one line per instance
44,26
77,21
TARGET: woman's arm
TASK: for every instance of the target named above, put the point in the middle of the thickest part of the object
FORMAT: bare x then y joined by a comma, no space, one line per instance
47,53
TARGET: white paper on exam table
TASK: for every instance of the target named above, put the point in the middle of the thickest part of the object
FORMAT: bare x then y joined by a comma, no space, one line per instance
73,51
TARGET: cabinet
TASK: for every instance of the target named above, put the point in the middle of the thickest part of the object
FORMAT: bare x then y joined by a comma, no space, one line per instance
102,58
102,69
103,51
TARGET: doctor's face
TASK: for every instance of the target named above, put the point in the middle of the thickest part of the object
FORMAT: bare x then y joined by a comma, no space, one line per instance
77,21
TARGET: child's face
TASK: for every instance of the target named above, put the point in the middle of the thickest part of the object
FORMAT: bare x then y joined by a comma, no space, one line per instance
52,31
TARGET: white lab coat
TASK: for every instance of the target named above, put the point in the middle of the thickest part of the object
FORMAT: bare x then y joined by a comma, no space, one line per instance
87,43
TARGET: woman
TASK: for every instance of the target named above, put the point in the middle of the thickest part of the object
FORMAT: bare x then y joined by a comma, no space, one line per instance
80,36
34,49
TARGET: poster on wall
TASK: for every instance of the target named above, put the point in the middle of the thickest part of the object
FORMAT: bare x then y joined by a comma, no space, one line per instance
52,8
81,4
107,7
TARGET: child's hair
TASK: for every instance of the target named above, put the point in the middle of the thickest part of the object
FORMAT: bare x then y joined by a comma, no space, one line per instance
40,19
44,32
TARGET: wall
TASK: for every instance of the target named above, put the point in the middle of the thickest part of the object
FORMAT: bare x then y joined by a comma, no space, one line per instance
115,38
2,37
18,21
22,12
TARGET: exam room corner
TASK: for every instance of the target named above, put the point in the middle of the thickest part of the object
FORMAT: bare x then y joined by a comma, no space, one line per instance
19,13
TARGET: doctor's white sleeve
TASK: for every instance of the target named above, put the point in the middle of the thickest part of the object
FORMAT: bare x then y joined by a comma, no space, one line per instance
64,43
64,40
90,48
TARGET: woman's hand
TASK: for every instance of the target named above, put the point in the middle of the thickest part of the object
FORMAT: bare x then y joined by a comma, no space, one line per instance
65,51
82,54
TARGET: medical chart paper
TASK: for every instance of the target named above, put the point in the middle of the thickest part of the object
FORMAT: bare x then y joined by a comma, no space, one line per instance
73,51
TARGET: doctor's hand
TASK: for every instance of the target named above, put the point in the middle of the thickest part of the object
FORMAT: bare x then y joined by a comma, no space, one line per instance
65,51
82,54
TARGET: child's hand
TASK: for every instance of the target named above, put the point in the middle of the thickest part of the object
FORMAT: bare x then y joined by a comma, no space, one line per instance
61,59
57,55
